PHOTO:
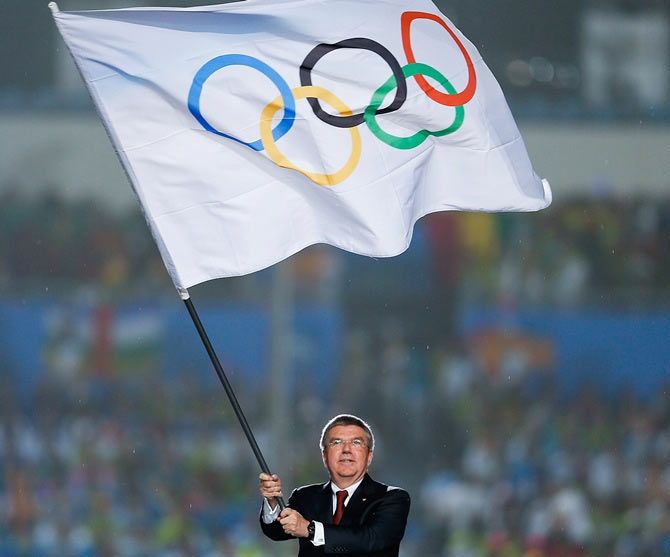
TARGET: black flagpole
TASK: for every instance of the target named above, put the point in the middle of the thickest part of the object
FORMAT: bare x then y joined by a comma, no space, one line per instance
229,391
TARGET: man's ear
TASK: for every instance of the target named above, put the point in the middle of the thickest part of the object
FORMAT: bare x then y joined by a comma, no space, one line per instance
370,455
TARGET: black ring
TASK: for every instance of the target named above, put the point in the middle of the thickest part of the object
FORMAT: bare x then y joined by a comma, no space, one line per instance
322,49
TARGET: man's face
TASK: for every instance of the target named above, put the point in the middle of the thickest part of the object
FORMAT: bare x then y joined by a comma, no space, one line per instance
347,461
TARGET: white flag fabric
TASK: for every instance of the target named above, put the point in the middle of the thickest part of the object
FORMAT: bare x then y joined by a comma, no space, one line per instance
253,129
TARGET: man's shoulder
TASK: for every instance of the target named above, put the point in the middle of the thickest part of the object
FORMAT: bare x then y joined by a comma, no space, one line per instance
397,492
310,489
382,489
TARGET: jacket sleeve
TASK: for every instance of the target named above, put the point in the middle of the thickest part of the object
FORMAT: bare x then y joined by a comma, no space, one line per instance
383,527
274,531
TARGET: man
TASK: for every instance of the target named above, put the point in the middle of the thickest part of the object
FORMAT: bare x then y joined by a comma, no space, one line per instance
350,514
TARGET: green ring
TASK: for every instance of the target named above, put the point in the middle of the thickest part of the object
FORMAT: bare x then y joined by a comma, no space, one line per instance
419,137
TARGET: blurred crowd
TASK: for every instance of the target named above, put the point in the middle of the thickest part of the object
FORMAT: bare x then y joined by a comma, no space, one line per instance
499,464
581,252
102,468
584,252
543,474
50,245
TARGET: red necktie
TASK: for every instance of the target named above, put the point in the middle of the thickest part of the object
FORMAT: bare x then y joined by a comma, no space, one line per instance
339,510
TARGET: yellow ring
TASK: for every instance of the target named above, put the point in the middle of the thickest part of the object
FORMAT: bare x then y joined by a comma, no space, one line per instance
278,158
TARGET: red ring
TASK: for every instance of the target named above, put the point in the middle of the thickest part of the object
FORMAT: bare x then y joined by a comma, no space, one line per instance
457,99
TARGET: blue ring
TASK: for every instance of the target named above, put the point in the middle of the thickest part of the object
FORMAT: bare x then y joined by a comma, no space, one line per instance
219,62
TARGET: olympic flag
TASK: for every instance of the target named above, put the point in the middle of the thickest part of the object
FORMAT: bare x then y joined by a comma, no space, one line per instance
254,129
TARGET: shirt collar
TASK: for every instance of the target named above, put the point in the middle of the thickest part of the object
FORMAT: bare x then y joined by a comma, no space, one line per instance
350,490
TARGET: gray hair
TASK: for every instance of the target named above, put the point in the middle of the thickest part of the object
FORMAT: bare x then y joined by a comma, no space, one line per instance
347,419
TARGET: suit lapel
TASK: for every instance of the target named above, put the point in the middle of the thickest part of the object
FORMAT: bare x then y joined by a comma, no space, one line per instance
324,510
359,501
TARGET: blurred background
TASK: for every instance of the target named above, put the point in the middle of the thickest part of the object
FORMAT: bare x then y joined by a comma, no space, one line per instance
515,367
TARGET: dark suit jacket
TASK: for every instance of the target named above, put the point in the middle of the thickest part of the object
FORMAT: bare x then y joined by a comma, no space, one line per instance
372,525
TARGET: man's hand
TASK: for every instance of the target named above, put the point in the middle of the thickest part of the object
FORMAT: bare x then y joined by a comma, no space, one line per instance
293,523
270,488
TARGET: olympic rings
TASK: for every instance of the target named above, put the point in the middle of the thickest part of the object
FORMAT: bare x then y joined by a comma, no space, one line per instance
311,92
346,118
454,99
418,138
366,44
219,62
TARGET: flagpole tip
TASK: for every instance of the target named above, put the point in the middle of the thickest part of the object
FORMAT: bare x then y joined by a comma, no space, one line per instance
183,293
53,7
